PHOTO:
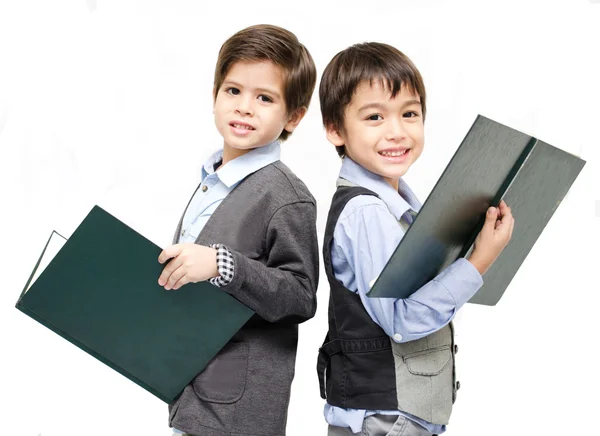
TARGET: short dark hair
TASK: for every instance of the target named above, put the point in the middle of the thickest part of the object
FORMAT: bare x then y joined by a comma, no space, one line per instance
365,62
265,42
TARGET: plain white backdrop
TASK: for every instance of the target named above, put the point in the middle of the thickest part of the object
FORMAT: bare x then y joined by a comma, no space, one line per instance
109,103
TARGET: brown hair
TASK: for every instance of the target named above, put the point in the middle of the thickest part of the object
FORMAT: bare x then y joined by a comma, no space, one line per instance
266,42
370,61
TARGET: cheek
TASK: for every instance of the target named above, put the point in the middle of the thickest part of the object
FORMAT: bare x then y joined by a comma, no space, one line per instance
217,108
360,134
418,136
277,120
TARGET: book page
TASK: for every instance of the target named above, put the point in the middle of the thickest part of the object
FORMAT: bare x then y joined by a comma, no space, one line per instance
55,243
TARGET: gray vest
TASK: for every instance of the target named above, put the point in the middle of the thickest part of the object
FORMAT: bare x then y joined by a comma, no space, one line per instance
423,373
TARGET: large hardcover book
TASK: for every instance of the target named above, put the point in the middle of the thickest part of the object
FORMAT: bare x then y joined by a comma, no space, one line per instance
493,162
99,290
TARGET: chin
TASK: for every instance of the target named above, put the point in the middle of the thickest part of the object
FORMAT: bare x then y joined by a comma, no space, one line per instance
239,145
394,172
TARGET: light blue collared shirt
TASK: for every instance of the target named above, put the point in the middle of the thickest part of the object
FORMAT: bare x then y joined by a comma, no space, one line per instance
215,185
365,237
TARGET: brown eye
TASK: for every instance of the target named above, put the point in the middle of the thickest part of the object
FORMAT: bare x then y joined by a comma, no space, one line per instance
375,117
233,91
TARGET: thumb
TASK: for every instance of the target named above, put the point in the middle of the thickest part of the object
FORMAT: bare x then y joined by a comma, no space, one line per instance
490,219
169,252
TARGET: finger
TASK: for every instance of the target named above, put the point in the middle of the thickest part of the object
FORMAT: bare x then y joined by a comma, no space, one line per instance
490,219
169,252
507,222
508,212
184,280
503,208
174,278
168,270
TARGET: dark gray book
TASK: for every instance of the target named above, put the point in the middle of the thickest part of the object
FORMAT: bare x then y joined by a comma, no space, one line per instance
99,290
493,162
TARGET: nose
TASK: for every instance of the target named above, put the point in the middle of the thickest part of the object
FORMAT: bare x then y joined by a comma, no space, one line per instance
244,106
396,130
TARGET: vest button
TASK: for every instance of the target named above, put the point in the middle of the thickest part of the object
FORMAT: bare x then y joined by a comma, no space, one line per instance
204,188
455,348
397,337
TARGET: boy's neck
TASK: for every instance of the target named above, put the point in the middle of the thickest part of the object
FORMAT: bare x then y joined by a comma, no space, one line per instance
230,153
394,183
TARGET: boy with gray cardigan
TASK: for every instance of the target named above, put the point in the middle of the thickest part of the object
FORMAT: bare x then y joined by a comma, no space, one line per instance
250,228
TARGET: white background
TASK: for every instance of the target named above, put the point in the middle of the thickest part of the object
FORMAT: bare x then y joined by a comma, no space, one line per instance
109,102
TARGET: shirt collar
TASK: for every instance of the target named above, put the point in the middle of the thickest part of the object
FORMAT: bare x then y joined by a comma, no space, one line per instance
359,175
234,171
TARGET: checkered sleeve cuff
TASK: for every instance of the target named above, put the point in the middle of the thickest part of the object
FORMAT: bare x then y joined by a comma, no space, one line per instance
225,266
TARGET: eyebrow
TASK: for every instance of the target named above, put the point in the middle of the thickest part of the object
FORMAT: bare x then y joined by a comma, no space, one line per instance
267,90
382,106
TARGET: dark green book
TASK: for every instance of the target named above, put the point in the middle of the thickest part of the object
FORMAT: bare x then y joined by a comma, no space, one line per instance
100,292
493,162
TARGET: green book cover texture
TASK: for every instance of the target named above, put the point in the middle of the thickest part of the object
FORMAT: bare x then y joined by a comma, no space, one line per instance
493,162
101,293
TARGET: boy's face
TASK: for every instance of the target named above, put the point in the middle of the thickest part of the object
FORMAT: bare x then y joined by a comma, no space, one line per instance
383,134
250,109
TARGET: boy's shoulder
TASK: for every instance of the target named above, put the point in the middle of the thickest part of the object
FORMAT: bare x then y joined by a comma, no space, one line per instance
363,211
353,198
277,183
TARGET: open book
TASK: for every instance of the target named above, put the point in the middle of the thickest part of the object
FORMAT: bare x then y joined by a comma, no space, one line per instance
494,162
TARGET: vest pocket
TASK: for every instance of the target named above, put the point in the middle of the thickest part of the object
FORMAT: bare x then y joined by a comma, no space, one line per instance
224,378
428,362
424,381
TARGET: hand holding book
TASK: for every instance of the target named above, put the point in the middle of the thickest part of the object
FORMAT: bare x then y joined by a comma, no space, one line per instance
493,237
190,263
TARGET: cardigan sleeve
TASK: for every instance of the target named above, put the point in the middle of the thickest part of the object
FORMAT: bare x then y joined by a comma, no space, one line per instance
284,288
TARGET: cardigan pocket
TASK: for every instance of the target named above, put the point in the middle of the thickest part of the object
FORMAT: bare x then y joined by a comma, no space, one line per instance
224,379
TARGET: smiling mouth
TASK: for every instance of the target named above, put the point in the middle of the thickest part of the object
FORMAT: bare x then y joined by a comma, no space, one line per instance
395,153
241,126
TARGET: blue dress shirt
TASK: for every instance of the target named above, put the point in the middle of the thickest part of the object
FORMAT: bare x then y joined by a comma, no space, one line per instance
365,237
215,185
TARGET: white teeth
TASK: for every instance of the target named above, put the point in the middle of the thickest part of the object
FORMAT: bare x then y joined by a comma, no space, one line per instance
392,153
241,126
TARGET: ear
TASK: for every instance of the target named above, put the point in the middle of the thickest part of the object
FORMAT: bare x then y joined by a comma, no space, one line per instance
334,135
295,120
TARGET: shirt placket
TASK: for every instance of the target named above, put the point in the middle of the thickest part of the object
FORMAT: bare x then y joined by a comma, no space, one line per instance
204,190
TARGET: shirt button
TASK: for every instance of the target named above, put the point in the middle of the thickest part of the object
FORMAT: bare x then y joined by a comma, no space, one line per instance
455,348
204,188
457,385
397,337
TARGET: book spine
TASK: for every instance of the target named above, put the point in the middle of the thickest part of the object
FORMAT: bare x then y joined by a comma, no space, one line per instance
512,175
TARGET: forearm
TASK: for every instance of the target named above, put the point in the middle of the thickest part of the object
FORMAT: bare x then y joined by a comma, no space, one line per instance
283,287
429,308
275,294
